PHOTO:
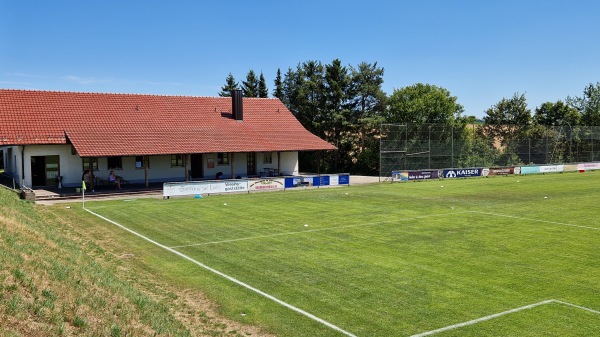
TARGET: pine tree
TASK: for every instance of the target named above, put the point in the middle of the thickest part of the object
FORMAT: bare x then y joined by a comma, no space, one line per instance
263,92
250,85
278,86
230,85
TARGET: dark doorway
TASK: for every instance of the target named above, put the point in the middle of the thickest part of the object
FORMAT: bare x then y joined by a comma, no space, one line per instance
251,161
44,170
196,171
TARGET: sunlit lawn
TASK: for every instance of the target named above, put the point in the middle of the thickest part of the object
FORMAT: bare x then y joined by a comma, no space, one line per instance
388,259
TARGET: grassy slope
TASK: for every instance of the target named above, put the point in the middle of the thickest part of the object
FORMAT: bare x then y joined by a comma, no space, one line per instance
57,279
444,270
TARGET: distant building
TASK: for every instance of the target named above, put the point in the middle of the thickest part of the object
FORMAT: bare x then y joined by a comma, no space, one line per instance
146,138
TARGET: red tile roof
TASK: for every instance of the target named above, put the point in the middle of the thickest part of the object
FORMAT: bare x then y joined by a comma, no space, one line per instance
99,124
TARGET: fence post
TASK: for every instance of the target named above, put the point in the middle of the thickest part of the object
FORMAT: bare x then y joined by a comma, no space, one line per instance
429,152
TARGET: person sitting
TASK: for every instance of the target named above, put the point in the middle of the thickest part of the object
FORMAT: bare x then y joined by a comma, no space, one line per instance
113,179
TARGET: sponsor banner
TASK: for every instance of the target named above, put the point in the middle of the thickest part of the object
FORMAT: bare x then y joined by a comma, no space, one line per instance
462,173
344,179
173,189
204,187
229,186
422,175
291,182
321,181
570,167
266,184
530,169
588,166
498,171
399,175
551,168
339,179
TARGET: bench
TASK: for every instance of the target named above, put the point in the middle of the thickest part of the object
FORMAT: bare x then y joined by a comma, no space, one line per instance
105,182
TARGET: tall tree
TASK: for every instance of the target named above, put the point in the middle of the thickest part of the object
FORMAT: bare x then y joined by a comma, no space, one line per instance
263,92
558,113
588,105
230,85
367,101
278,93
250,85
423,104
508,118
310,97
336,91
291,90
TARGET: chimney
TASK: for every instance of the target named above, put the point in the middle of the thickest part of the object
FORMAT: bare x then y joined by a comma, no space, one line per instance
237,107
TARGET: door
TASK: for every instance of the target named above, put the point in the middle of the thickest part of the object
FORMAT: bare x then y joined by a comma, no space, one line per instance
196,171
45,170
251,161
38,171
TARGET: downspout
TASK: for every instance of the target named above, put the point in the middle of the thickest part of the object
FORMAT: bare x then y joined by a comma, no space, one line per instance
146,161
186,171
22,166
319,168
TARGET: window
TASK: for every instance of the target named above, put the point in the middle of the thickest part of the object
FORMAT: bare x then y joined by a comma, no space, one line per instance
222,158
89,163
176,160
139,162
268,158
115,163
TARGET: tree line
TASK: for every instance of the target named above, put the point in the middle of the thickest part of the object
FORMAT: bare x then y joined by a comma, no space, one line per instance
346,106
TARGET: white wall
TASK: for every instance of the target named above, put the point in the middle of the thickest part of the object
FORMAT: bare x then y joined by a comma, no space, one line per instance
209,173
159,170
12,162
260,161
289,163
160,166
240,165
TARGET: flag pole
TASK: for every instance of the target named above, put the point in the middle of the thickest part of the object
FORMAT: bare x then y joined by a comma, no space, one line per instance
83,194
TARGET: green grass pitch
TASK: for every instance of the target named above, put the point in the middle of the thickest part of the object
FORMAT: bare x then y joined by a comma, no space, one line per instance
387,259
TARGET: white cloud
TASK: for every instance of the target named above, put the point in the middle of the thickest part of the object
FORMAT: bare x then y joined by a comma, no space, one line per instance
85,80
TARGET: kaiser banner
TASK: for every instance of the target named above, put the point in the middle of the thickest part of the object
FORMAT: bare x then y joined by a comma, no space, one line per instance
462,173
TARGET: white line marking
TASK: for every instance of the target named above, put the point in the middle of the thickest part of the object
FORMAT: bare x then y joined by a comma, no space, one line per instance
536,220
313,230
578,307
247,286
486,318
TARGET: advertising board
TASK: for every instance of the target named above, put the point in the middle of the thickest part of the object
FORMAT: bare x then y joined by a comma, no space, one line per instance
498,171
462,173
551,168
266,184
530,169
588,166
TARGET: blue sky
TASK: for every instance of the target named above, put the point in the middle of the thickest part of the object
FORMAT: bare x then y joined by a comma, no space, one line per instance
481,51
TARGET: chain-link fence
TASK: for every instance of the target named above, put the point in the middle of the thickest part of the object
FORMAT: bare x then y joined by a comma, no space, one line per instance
437,146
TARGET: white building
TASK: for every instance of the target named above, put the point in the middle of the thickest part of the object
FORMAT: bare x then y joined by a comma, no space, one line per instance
146,138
